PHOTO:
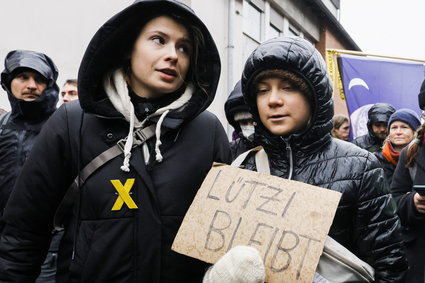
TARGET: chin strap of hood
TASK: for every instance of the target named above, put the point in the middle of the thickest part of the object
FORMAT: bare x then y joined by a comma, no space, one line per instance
116,89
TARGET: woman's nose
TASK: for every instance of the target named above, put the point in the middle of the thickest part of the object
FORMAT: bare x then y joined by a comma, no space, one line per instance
171,52
275,97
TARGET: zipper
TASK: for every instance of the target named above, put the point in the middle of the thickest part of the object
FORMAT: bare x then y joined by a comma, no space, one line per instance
290,157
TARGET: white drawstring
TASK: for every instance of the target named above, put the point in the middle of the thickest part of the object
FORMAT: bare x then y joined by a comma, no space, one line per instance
128,143
116,89
158,156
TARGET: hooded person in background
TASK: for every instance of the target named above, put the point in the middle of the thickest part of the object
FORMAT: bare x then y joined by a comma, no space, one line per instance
238,115
289,92
145,81
29,79
402,126
377,125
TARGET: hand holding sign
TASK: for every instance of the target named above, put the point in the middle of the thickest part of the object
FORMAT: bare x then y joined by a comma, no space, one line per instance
287,221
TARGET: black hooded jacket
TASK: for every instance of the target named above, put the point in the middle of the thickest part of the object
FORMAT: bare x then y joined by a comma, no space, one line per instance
379,112
236,103
26,118
124,245
366,221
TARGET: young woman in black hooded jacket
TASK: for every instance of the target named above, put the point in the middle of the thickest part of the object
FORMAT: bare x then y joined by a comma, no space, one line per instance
153,64
285,83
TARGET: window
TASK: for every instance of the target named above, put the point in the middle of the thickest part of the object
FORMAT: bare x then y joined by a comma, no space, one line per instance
273,32
292,31
252,21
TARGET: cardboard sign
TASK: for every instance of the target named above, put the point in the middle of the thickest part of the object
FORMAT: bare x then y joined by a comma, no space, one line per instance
287,221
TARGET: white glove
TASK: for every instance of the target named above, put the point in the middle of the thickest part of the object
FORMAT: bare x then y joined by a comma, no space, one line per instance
242,264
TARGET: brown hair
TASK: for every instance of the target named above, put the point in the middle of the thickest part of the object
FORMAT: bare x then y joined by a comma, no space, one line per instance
295,80
71,82
413,149
337,122
197,67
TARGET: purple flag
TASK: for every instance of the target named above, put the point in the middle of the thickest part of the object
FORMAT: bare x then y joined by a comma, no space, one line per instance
367,81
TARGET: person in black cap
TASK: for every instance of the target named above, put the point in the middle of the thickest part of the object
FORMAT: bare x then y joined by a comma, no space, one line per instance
238,115
137,146
377,125
29,78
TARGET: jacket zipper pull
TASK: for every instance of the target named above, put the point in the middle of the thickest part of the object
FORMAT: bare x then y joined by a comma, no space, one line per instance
290,158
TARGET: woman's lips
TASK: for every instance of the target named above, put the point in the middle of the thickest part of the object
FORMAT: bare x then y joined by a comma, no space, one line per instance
168,74
277,117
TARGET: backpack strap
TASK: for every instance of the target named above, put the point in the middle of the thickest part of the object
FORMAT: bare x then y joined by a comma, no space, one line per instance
261,159
64,208
4,118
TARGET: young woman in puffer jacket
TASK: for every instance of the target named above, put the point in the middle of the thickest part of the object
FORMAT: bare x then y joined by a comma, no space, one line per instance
285,83
155,65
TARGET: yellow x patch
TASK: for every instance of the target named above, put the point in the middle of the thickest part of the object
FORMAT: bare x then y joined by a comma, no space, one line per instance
123,194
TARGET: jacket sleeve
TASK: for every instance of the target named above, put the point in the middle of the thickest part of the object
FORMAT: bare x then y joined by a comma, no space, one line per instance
222,148
378,234
28,218
401,189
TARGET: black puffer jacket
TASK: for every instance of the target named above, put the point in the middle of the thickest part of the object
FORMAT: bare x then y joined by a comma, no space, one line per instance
26,118
379,112
365,222
101,244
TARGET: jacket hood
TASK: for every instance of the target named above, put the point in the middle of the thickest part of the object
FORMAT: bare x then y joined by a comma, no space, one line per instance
43,106
379,112
421,96
235,103
110,46
298,56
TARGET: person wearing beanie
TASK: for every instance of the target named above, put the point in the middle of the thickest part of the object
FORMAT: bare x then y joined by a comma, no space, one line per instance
401,131
137,146
377,125
288,89
409,173
239,117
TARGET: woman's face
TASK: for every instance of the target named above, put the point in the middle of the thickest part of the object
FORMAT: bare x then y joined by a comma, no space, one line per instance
160,58
283,110
400,134
343,131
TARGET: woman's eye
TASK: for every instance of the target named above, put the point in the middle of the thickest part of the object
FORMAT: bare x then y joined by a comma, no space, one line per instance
261,91
158,39
184,49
